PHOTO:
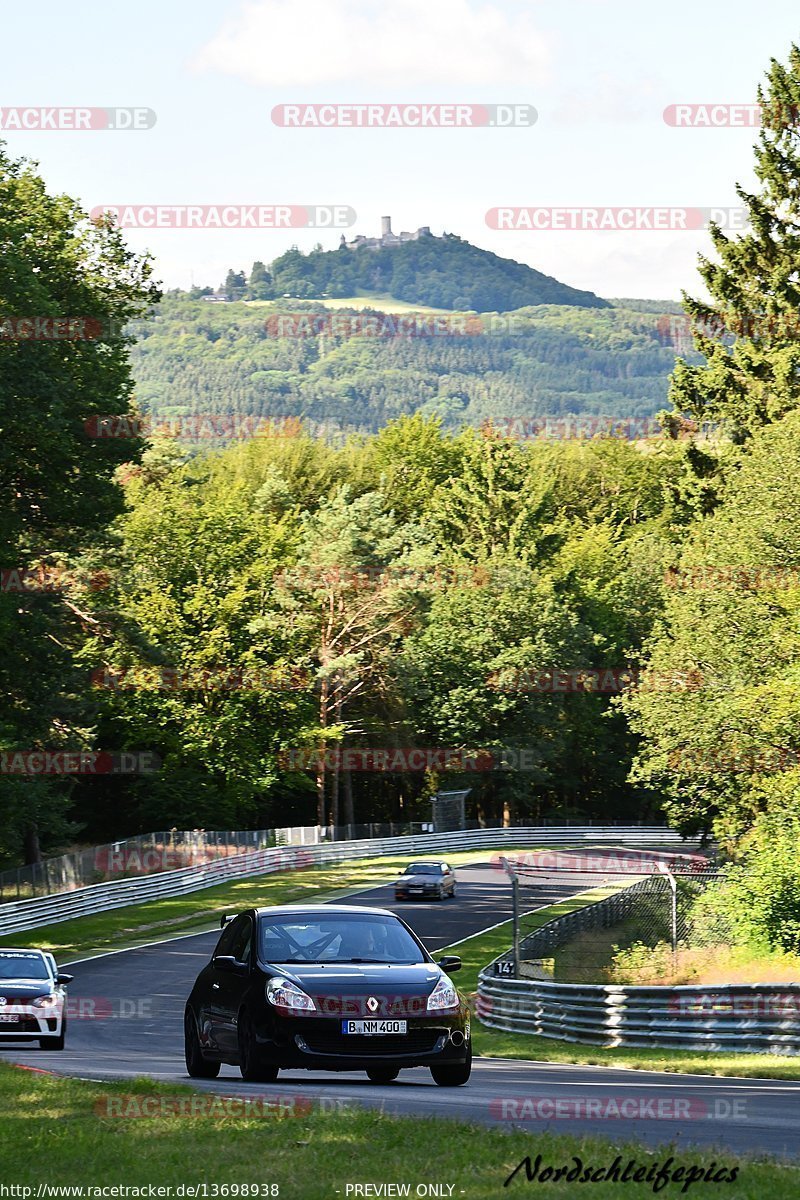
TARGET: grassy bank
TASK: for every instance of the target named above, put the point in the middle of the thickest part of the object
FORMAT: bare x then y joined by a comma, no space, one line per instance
138,923
61,1131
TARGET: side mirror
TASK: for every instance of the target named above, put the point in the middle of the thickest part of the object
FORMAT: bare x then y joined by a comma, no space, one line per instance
230,965
63,979
450,963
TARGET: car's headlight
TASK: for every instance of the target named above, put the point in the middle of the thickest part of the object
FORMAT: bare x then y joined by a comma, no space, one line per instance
443,997
46,1002
282,993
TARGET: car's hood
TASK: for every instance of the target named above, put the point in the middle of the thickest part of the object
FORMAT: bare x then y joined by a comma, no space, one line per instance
15,989
364,989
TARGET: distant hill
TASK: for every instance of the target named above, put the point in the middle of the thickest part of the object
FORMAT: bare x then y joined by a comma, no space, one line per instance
199,357
440,272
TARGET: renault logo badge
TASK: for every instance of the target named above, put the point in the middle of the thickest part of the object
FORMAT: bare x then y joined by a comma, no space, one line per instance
372,1004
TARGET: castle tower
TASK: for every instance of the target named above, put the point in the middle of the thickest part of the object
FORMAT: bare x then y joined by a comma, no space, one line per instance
386,226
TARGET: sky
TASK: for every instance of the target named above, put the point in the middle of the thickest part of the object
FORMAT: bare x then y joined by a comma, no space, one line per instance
599,75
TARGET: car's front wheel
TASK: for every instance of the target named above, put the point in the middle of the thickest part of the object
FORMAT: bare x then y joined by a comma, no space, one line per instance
252,1066
453,1075
382,1074
197,1066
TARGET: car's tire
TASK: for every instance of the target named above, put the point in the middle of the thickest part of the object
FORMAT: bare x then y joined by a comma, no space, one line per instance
453,893
252,1066
453,1075
196,1066
440,895
379,1074
57,1042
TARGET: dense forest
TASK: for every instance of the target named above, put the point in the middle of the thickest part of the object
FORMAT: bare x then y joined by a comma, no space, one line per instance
439,272
607,626
193,356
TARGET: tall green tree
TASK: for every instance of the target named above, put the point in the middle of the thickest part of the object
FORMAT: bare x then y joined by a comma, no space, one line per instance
57,487
749,332
728,749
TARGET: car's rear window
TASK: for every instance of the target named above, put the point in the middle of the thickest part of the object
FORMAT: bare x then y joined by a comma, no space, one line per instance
19,965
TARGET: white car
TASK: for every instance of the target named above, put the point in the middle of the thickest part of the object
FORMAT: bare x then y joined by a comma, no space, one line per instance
33,1000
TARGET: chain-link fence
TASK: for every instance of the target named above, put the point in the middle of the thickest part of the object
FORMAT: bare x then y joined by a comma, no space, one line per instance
647,906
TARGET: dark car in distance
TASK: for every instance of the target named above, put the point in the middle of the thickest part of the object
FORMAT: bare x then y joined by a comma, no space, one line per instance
326,987
426,881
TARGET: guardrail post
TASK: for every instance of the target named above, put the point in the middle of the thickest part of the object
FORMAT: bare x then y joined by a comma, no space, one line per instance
673,885
512,874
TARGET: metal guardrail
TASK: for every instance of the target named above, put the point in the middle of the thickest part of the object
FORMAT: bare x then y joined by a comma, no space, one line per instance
22,915
747,1018
175,849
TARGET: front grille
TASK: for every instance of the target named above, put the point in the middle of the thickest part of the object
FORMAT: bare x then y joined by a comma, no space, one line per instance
23,1025
416,1041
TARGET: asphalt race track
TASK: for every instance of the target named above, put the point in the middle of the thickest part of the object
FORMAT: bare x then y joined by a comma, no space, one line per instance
127,1021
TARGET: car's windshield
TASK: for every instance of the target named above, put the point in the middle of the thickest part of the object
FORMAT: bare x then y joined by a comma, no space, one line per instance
337,939
423,869
22,966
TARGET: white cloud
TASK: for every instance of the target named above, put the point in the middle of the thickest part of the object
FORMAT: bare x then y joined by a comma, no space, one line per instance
280,43
607,99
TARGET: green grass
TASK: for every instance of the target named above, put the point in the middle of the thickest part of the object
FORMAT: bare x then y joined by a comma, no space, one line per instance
197,911
476,952
55,1131
377,300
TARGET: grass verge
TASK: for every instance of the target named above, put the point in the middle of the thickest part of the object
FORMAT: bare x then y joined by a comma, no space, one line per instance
56,1132
135,924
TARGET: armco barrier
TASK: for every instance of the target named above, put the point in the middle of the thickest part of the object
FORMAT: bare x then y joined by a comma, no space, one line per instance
747,1018
21,915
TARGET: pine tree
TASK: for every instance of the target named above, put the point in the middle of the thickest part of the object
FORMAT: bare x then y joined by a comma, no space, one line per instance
748,333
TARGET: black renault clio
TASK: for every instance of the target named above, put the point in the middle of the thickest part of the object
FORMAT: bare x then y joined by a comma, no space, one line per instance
330,988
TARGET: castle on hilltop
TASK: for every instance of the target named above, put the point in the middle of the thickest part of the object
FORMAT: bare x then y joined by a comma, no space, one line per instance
387,238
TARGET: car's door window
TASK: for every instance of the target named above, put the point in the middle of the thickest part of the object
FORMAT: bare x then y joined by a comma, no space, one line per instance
226,941
243,939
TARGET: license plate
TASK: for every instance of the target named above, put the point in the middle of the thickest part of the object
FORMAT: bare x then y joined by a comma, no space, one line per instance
9,1018
374,1028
